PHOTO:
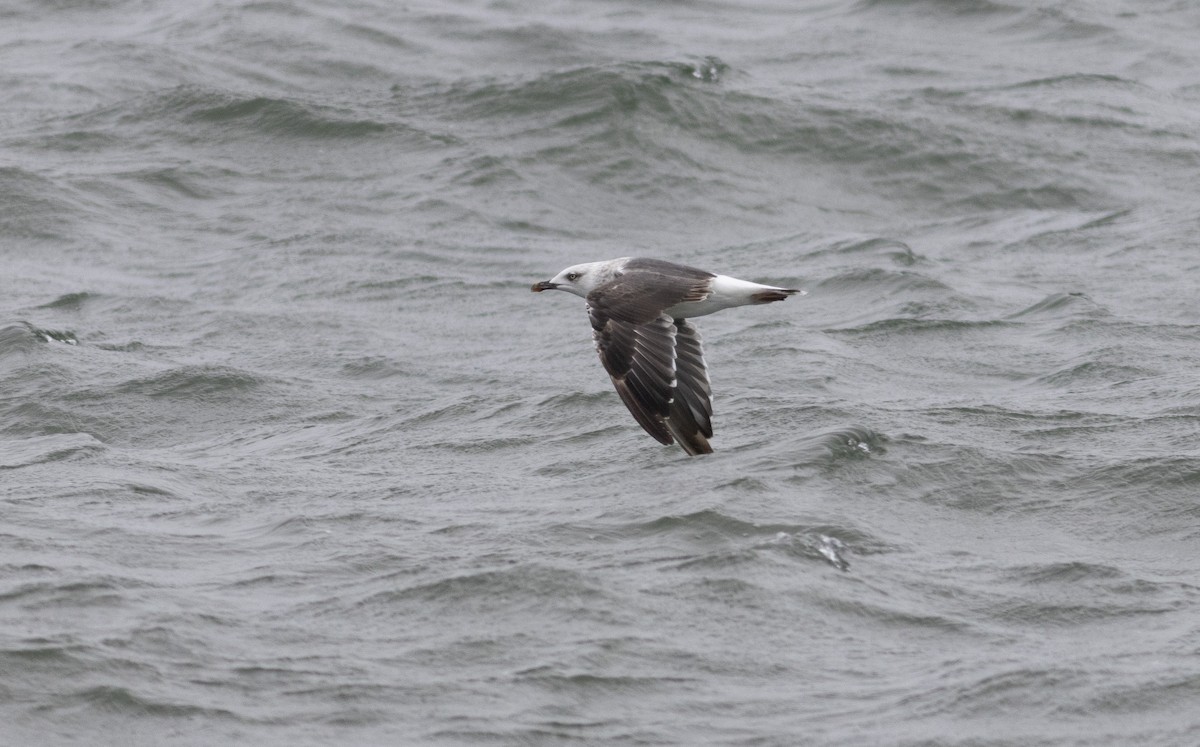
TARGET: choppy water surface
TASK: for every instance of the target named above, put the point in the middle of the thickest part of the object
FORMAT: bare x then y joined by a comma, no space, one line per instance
290,455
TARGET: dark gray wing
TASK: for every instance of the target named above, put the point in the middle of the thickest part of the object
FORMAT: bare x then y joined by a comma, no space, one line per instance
645,287
655,362
640,360
666,269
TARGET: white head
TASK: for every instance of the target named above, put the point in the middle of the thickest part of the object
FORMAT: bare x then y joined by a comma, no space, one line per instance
582,279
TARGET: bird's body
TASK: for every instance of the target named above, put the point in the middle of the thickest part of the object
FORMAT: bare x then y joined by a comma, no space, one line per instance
639,310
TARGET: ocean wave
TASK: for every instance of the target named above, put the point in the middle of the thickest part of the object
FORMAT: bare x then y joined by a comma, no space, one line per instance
43,449
870,249
527,586
22,336
940,8
190,113
1093,373
1062,306
270,116
195,383
35,207
711,539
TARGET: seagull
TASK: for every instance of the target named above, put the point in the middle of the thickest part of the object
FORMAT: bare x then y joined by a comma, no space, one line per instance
639,310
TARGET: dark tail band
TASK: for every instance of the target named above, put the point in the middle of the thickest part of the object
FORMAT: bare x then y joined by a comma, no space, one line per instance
775,294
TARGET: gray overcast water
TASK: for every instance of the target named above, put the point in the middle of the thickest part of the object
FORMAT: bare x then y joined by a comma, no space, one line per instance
290,455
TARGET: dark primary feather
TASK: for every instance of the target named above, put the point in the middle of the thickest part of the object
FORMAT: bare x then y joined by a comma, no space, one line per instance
692,388
656,363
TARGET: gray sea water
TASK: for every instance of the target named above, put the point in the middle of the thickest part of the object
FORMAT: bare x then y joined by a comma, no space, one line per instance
290,455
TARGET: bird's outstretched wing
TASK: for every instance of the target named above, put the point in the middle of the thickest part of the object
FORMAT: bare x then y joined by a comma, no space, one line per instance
656,363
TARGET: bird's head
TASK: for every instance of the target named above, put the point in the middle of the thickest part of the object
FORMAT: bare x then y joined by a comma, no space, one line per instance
577,279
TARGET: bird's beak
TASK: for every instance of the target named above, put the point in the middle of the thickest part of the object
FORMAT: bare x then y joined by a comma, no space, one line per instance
545,285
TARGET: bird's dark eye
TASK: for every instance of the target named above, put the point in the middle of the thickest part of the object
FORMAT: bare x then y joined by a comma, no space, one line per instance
572,276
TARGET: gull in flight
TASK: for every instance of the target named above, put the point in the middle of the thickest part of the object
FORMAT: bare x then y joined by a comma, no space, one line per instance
639,310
